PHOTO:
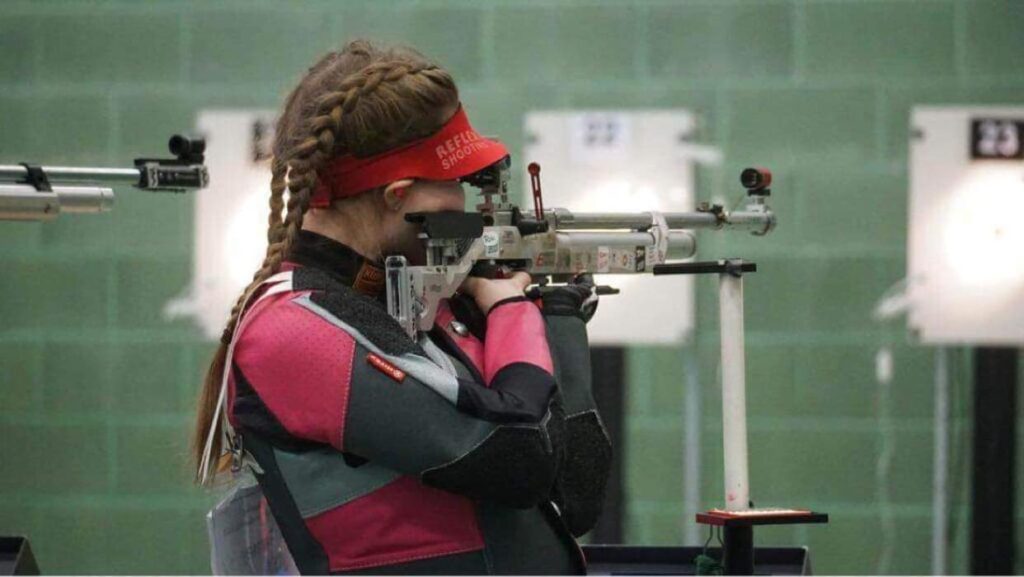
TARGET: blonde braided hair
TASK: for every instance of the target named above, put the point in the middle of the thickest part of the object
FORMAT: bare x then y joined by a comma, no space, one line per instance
361,100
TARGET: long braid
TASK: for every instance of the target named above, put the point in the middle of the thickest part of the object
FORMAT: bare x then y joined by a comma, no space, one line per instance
278,185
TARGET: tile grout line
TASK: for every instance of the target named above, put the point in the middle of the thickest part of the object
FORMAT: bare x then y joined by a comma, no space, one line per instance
112,460
38,392
881,126
488,27
245,89
799,42
187,390
184,47
114,132
960,42
642,53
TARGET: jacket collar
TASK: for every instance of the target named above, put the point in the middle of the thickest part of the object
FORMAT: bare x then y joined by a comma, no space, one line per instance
341,262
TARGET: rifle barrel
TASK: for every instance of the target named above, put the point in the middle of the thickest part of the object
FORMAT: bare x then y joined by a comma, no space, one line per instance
681,244
24,202
747,220
55,174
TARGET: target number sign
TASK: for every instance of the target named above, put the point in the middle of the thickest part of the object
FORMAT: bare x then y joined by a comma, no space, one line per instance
997,139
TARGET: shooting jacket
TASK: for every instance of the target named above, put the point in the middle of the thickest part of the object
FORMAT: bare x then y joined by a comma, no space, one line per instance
473,451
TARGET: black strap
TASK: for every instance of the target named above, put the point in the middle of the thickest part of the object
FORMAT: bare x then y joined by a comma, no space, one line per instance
37,178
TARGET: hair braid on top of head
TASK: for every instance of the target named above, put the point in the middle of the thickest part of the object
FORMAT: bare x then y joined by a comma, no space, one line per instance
297,173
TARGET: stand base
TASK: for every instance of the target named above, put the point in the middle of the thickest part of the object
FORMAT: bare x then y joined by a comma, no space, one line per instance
738,557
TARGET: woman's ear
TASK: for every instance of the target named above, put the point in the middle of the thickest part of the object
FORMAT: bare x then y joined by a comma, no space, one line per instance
396,193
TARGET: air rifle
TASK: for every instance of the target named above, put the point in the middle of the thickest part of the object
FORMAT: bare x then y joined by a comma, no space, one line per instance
33,192
553,245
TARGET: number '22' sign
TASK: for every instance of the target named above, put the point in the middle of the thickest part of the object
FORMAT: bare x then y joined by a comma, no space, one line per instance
599,137
995,138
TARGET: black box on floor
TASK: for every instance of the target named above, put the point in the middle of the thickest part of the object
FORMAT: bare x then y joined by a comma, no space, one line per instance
16,557
627,560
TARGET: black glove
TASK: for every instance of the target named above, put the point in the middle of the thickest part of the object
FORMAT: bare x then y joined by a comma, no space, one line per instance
577,298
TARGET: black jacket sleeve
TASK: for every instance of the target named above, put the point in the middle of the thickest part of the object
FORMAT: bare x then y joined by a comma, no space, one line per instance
583,475
501,444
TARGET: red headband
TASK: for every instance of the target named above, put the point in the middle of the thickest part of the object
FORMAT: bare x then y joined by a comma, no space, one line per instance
451,153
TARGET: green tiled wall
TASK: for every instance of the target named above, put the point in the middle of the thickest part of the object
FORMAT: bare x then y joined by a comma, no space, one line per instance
98,387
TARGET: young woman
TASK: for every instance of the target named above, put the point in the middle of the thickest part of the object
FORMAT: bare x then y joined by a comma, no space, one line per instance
473,448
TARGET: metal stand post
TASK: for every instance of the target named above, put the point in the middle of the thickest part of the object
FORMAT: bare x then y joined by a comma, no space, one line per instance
995,420
737,519
738,557
734,387
609,374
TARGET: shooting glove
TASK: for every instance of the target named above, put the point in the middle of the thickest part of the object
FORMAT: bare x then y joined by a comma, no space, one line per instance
577,298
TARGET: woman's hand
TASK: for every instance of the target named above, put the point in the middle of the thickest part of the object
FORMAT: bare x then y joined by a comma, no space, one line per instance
487,292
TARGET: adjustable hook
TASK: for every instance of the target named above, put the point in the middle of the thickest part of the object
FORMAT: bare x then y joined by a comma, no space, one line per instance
538,200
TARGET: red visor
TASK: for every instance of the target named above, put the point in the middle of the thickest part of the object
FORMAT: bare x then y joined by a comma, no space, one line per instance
453,152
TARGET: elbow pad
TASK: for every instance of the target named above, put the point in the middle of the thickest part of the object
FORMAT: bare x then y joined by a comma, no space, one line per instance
515,465
580,487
